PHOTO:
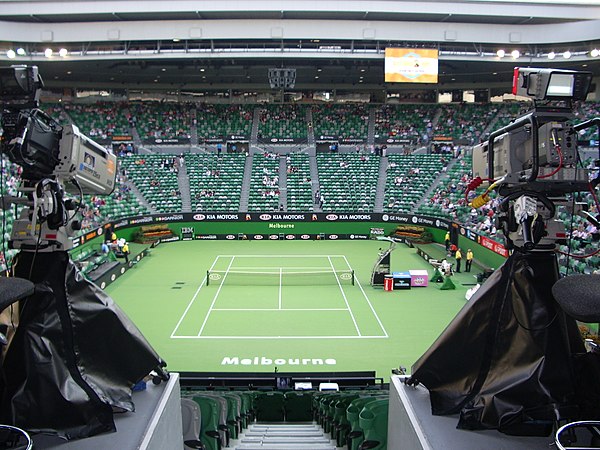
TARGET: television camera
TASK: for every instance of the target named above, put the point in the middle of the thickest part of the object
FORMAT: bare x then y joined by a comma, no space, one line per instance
55,160
513,358
533,162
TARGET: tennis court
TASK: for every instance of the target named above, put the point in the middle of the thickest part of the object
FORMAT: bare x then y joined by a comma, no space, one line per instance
220,306
273,296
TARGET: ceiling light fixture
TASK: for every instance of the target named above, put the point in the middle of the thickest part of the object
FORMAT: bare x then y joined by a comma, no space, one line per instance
501,53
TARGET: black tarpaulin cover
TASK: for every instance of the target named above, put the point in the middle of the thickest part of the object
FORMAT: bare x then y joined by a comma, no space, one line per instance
505,361
75,355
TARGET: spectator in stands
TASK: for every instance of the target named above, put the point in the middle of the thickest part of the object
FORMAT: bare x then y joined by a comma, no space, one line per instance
105,248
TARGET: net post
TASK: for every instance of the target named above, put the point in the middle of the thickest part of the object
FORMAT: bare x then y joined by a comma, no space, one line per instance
352,277
207,277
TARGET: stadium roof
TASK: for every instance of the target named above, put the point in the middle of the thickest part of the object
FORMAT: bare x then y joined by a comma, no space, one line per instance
215,46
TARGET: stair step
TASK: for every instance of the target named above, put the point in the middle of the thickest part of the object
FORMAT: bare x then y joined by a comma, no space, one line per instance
310,446
283,433
285,440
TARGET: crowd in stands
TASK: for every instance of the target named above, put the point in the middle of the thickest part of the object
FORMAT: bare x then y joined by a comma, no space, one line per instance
155,120
343,121
413,122
100,120
223,120
347,181
282,121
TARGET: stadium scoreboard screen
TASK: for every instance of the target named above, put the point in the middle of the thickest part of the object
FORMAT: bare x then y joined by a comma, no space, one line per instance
411,65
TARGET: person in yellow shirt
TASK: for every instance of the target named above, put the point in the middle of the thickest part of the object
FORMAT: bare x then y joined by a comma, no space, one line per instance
447,240
125,251
469,260
458,257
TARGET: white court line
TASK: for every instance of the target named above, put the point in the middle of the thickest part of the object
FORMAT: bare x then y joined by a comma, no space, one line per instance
313,268
344,295
215,297
368,301
193,299
280,285
279,309
280,256
280,337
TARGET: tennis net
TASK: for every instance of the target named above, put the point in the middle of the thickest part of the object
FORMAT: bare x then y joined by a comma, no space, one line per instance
280,276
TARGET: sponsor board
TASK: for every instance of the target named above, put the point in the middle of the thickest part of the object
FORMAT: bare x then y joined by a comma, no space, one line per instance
281,225
494,246
278,361
170,239
169,218
207,237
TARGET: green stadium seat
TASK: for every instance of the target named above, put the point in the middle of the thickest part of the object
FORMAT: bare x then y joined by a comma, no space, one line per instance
270,406
298,406
373,420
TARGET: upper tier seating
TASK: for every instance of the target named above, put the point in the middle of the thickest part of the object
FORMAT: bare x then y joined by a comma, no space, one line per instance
348,181
282,121
343,121
156,120
215,181
214,121
100,120
465,121
404,121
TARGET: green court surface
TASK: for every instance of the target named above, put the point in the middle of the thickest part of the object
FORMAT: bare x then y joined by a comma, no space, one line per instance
294,305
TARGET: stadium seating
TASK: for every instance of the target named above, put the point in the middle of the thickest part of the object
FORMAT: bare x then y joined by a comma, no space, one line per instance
223,120
343,121
408,178
299,186
465,122
215,181
404,121
373,420
156,178
100,120
348,182
282,121
155,120
270,406
264,183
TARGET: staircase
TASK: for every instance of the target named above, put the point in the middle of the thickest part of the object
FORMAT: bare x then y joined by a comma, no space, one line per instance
371,127
314,181
380,193
261,436
133,188
282,183
245,194
184,187
194,130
